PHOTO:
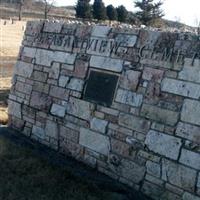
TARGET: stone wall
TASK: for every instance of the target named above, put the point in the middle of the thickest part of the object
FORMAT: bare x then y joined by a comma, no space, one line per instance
124,101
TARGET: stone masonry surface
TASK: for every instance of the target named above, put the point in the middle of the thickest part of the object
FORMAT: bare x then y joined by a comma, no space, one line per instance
149,137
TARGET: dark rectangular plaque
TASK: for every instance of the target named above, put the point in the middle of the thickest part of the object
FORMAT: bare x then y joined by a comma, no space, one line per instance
100,88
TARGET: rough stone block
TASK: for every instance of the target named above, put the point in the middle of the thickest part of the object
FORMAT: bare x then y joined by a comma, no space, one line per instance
106,63
52,27
58,110
190,159
63,80
134,123
153,168
181,88
38,132
159,114
44,57
100,31
14,109
190,111
39,76
126,40
33,28
29,52
58,92
189,132
163,144
98,125
23,69
178,175
130,79
51,129
80,108
75,84
189,196
130,98
95,141
64,57
54,71
152,74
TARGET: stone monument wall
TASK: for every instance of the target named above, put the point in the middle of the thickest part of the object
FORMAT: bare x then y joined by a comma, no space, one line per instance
124,101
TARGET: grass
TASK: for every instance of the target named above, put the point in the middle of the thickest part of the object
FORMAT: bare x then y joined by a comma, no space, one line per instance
24,176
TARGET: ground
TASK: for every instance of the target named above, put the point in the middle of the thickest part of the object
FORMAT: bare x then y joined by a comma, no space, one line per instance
30,171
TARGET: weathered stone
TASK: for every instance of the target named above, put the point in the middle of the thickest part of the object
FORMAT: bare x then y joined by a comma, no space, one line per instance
190,111
64,57
38,132
130,79
189,132
134,123
51,129
130,98
98,125
79,108
63,80
95,141
159,114
33,28
40,101
198,181
190,73
58,110
190,159
163,144
52,27
24,88
75,84
132,171
14,109
39,76
181,88
44,57
29,52
23,69
126,40
153,168
100,31
188,196
69,134
40,87
54,71
58,92
106,63
178,175
152,74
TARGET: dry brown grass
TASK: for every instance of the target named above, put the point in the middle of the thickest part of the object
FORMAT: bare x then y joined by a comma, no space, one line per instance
3,115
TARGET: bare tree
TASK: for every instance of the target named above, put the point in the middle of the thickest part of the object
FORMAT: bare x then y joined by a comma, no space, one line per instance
47,4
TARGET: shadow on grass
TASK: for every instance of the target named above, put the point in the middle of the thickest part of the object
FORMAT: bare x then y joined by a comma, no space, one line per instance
26,176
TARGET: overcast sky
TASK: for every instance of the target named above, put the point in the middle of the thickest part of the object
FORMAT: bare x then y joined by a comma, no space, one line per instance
186,11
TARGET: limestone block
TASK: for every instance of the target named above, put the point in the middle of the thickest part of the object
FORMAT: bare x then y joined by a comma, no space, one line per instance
152,74
126,40
163,144
130,98
34,27
189,196
24,88
58,92
100,31
40,101
23,69
178,175
98,125
181,88
14,109
130,79
153,168
134,123
54,71
110,64
64,57
63,80
189,132
80,108
132,171
94,141
44,57
51,129
190,159
38,132
159,114
58,110
29,52
190,111
52,27
39,76
75,84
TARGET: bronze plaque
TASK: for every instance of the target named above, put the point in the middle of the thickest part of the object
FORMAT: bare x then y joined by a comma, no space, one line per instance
100,88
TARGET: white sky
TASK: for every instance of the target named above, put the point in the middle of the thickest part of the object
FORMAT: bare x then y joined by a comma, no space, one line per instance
186,11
